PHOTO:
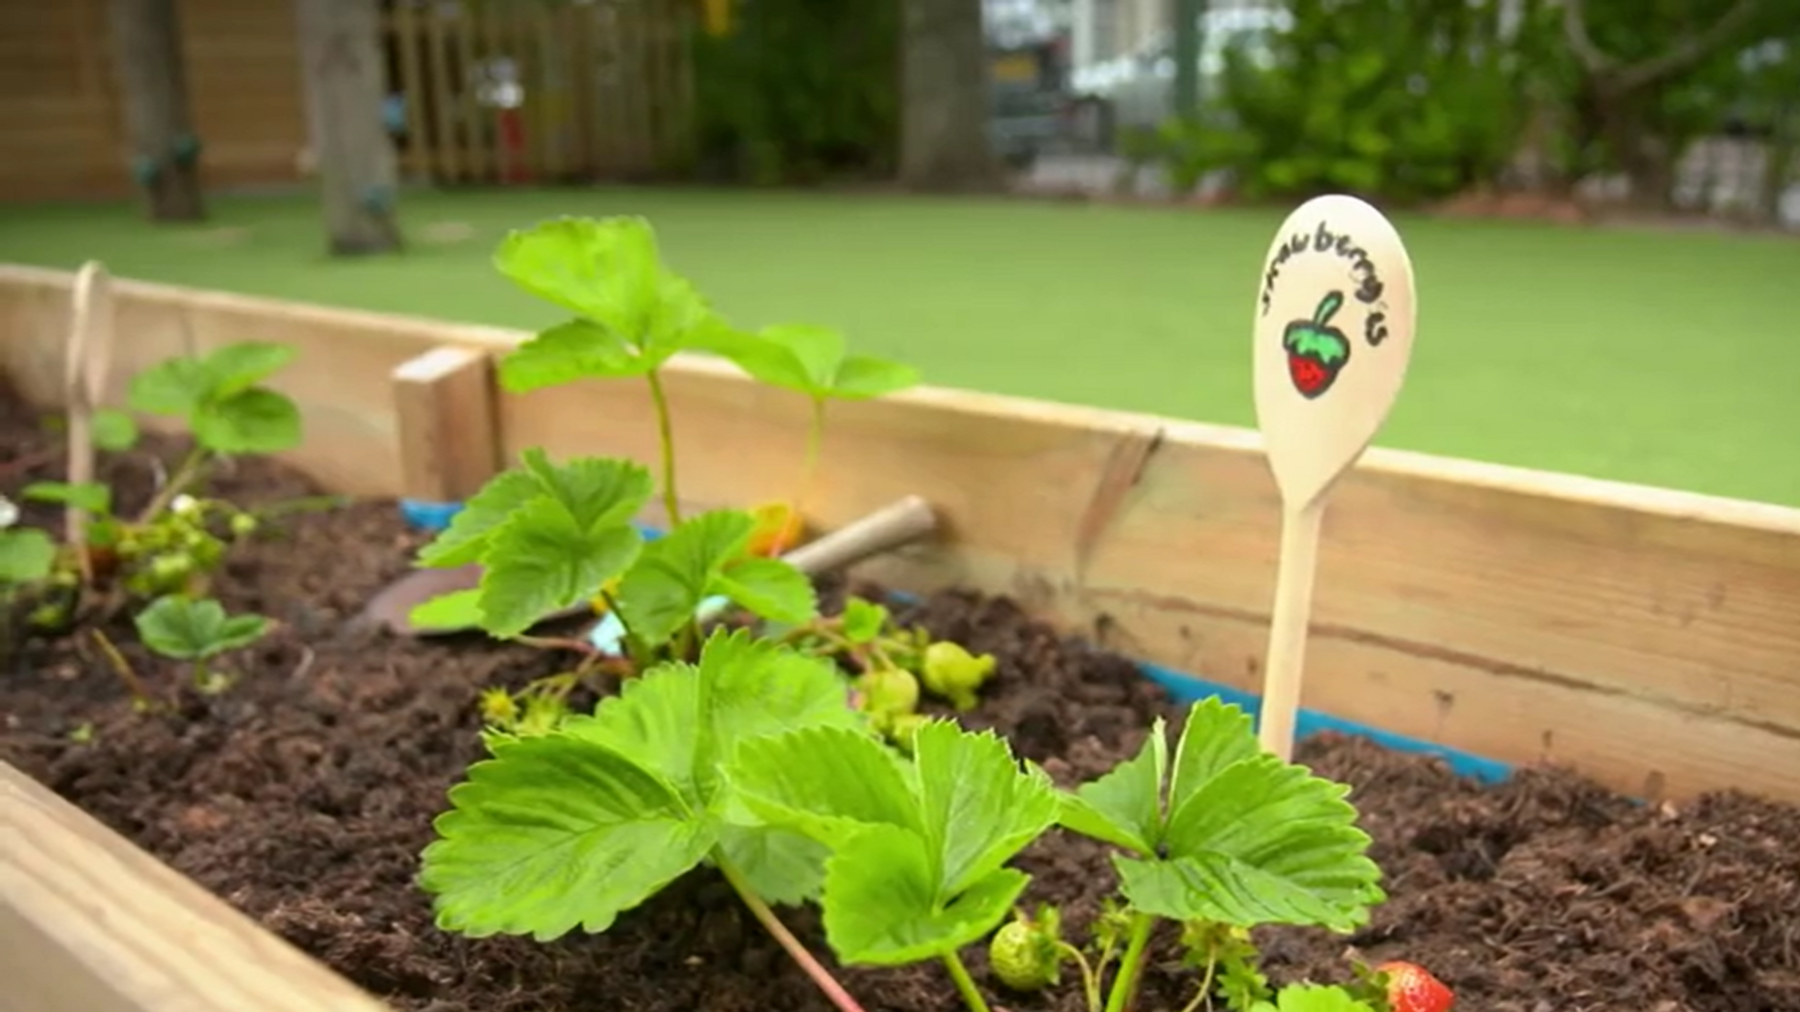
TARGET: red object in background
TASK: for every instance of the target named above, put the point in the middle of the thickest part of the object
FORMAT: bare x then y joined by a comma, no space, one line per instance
512,143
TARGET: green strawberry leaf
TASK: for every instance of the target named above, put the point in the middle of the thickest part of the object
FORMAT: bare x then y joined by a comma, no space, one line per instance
918,850
862,620
634,314
1124,807
684,721
1246,840
659,594
769,588
877,908
573,827
256,420
113,431
87,495
184,629
553,833
26,555
466,539
605,270
548,537
171,387
235,368
811,360
781,866
459,609
544,560
569,351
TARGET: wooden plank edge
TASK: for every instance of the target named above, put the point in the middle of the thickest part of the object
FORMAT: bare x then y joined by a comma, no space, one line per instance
1470,474
91,923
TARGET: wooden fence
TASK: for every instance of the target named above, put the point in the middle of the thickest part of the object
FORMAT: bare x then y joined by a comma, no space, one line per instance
61,127
502,91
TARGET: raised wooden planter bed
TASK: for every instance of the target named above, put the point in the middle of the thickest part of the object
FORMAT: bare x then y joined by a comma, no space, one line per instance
1646,639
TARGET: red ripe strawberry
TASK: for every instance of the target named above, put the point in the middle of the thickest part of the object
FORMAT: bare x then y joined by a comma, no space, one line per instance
1412,988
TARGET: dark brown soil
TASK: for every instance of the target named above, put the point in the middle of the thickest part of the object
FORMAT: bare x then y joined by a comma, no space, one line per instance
305,793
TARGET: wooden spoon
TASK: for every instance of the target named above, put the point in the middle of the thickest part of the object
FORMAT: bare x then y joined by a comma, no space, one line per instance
1334,331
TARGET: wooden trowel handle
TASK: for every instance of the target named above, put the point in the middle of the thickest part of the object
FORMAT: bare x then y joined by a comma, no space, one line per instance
899,523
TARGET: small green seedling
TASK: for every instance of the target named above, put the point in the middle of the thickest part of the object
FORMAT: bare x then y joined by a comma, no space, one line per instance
222,400
184,629
816,363
570,828
175,544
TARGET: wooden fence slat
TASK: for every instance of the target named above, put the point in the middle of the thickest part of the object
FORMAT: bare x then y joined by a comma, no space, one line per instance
446,143
476,149
415,160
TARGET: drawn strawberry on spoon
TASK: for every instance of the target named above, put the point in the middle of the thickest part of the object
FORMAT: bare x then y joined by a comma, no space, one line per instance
1316,350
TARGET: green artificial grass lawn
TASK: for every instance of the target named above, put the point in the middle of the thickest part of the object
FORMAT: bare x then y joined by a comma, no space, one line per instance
1655,356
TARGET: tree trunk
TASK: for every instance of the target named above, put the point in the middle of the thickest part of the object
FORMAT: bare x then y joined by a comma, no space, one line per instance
944,97
341,62
165,153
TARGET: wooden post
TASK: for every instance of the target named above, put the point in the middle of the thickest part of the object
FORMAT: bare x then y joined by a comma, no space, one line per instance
85,368
90,923
343,72
445,412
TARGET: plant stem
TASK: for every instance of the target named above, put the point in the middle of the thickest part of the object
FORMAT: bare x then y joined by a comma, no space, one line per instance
122,667
1131,965
1090,981
821,977
1204,996
809,474
580,646
665,435
965,984
184,475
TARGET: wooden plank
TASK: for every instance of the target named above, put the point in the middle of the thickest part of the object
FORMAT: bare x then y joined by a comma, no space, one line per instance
1647,637
90,923
446,424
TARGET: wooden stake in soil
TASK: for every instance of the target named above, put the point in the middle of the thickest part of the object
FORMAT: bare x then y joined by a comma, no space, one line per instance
87,360
1334,331
449,434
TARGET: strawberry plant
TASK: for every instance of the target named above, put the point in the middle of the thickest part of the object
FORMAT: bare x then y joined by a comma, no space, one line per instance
554,536
572,827
196,631
1221,834
177,541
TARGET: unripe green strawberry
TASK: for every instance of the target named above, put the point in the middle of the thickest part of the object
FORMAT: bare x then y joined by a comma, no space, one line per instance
1021,959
